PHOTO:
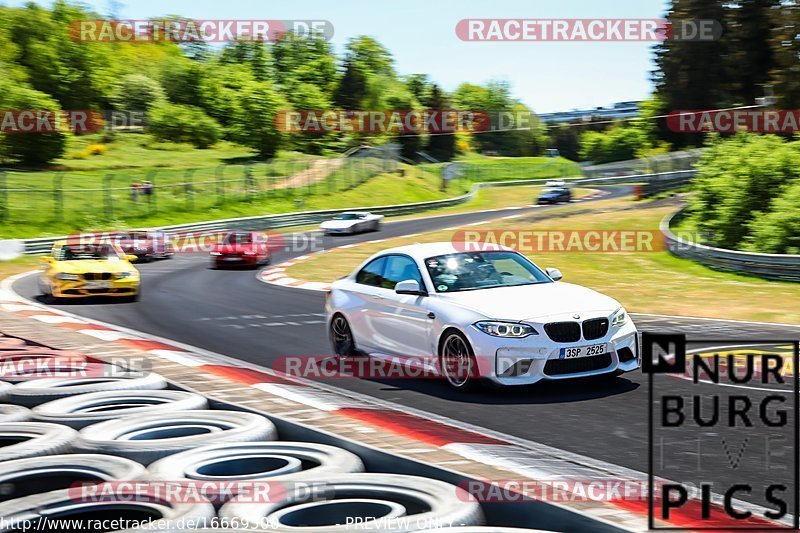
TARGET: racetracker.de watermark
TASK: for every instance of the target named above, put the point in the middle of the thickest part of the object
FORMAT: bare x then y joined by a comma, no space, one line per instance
412,121
587,30
581,241
193,242
735,120
189,30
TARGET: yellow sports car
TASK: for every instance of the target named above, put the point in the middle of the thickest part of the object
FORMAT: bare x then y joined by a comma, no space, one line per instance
79,270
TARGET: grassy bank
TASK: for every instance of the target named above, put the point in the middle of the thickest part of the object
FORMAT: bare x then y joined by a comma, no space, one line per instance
645,282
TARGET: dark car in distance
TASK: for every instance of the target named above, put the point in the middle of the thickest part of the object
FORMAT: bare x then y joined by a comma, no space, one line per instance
146,244
554,195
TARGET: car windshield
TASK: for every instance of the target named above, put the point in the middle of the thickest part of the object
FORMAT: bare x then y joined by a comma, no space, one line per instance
551,191
87,251
482,270
347,216
238,238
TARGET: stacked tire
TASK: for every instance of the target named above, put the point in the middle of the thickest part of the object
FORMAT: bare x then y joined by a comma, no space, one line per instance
118,444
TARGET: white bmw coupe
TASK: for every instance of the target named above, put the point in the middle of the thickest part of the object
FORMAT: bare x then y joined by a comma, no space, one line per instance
352,222
472,316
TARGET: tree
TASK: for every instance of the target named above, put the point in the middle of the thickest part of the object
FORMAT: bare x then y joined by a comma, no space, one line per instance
440,147
136,92
749,33
737,181
310,60
352,88
567,140
183,123
785,75
31,148
693,75
254,123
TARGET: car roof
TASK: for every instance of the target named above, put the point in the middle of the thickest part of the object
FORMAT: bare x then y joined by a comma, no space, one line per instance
431,249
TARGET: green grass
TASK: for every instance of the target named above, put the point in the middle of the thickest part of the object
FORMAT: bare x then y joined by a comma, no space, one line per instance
644,282
94,193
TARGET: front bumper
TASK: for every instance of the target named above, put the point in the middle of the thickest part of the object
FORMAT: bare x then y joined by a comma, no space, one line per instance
84,289
525,361
235,260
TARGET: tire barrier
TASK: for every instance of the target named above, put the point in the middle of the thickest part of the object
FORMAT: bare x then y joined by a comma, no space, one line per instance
39,391
258,461
5,390
149,437
39,510
14,413
86,409
34,475
383,502
19,440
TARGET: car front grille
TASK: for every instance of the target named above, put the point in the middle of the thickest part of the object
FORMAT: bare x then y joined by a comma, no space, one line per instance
557,367
563,331
595,328
97,276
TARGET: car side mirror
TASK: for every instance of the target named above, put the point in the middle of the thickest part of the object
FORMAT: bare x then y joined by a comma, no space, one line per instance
554,273
409,286
131,258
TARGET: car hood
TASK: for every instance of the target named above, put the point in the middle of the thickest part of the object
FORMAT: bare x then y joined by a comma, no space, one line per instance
532,302
338,224
549,194
82,266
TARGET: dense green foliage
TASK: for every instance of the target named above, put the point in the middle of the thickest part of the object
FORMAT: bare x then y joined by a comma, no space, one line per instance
746,194
200,94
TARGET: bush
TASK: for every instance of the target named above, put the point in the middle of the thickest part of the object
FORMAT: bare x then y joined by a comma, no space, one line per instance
616,144
136,92
778,231
183,123
255,118
738,180
31,148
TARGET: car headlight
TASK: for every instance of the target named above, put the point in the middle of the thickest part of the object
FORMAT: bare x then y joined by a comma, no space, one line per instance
67,277
620,318
121,275
513,330
249,252
215,253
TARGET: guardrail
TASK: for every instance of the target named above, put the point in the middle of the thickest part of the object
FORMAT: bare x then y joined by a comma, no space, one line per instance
303,218
784,267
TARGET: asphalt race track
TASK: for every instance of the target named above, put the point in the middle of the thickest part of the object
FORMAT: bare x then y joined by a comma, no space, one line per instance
231,312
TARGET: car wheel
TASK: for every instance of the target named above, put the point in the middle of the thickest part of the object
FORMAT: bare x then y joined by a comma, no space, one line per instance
457,362
342,337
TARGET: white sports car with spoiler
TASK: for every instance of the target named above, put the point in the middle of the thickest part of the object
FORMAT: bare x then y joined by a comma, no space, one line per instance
490,316
352,222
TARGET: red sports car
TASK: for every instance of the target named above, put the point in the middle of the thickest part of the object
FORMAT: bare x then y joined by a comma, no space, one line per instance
245,248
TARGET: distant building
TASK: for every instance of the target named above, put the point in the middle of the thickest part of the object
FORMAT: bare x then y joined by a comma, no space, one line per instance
616,111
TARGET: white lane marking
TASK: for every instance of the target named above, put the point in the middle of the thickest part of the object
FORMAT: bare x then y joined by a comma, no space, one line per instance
296,394
20,307
57,319
732,321
107,334
177,357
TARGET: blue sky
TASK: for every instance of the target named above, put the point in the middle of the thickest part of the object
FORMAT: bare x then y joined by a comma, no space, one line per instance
421,36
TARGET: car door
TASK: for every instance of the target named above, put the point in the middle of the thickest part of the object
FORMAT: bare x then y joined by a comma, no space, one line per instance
403,319
367,295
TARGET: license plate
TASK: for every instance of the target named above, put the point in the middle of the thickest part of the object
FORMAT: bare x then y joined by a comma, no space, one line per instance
98,284
231,259
582,351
